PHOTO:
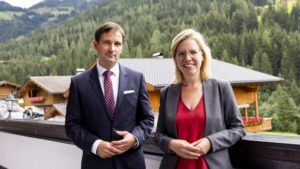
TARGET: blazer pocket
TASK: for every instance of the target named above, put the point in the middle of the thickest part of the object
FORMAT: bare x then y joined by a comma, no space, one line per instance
130,99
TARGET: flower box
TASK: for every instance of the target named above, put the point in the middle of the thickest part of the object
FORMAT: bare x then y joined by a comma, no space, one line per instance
253,121
36,99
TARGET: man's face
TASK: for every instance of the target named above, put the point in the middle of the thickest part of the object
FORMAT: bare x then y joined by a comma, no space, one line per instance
109,48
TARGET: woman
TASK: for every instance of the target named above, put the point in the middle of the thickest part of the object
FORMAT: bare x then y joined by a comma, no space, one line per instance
198,116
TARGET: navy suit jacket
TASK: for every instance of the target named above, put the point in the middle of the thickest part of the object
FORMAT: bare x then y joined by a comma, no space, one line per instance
223,126
88,118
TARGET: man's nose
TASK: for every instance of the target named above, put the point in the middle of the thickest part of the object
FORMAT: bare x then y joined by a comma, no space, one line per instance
112,47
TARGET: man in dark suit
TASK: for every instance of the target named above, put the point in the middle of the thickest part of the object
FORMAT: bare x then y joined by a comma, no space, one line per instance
108,113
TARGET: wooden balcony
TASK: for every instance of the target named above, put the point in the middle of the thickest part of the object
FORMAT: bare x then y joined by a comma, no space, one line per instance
264,126
29,144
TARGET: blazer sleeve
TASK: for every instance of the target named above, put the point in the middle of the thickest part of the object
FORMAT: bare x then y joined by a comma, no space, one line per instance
161,137
145,119
74,124
234,127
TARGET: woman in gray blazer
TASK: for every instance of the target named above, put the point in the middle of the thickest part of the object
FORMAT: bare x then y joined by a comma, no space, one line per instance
198,115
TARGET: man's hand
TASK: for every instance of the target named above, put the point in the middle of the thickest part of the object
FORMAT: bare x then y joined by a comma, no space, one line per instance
203,144
184,149
106,150
126,143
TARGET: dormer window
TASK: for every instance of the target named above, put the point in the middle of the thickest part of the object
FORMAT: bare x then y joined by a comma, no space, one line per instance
33,93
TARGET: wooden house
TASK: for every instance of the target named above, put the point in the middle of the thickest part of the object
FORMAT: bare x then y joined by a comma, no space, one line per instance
44,91
7,87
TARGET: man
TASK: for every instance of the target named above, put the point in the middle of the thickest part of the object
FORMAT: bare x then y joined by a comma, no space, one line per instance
108,113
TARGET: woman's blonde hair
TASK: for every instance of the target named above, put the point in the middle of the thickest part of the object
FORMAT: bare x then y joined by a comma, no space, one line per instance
206,52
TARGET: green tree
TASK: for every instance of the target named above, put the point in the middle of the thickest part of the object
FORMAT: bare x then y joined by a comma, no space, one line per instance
265,64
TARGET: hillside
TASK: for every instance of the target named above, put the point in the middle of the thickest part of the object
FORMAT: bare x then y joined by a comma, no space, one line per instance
15,21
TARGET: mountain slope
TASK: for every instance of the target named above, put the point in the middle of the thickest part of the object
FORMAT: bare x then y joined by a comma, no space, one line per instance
16,21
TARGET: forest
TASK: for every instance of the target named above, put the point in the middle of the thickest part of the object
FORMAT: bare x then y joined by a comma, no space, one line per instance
266,39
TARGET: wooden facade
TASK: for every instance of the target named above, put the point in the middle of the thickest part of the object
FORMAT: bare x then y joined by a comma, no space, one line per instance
8,87
32,90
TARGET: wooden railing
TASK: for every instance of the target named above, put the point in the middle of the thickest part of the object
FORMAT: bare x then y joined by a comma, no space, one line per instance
255,151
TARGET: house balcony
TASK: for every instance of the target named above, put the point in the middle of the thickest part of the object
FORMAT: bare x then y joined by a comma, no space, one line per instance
43,144
264,124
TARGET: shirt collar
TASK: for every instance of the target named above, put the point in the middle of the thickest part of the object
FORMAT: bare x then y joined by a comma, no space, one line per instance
101,70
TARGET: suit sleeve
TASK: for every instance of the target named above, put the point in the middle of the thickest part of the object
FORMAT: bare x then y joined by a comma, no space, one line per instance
161,137
145,119
74,124
235,129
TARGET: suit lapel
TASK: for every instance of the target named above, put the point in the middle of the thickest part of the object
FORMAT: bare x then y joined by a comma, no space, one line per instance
122,86
207,100
172,105
94,81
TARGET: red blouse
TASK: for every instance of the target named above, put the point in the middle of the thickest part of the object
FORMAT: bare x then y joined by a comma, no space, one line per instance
190,127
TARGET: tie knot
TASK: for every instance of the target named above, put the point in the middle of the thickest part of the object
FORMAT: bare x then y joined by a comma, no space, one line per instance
107,73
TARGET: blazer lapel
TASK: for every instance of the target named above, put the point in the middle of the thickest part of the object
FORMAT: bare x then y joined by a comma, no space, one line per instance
122,86
94,81
207,100
172,100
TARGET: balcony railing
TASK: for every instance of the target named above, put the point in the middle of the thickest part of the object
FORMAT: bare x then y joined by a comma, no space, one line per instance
255,151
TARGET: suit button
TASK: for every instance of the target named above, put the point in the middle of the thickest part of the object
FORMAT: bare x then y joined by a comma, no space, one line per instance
114,130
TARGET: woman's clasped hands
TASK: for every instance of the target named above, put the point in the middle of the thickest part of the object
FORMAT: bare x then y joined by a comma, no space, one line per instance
188,150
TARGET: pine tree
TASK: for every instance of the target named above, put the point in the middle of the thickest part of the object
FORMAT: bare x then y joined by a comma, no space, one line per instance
265,64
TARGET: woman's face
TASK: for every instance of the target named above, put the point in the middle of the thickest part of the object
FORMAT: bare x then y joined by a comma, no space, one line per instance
189,58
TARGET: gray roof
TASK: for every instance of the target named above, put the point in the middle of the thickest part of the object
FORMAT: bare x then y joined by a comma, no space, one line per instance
61,107
157,72
53,84
161,72
9,83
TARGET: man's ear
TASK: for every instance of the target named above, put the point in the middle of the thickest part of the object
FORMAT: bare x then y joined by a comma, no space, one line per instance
95,44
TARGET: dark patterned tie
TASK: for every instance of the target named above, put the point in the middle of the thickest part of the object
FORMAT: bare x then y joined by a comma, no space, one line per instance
109,94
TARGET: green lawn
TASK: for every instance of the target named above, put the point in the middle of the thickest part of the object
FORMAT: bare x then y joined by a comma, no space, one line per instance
53,10
8,15
289,5
279,133
277,4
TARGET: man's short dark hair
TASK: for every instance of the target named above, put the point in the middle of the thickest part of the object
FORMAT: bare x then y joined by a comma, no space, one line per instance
107,27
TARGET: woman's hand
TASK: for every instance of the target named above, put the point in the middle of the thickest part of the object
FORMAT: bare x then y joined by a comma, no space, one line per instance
185,149
203,144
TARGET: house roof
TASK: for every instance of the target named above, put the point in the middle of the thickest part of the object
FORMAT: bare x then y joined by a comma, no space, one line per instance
51,84
62,108
161,72
56,109
9,83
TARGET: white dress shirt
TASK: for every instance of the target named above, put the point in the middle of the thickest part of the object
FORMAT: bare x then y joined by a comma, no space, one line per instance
115,82
114,79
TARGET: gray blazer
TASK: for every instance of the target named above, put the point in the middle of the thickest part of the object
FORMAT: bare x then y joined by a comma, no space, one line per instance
224,126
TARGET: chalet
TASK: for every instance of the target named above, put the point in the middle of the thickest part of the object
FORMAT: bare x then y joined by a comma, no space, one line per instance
41,92
7,87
